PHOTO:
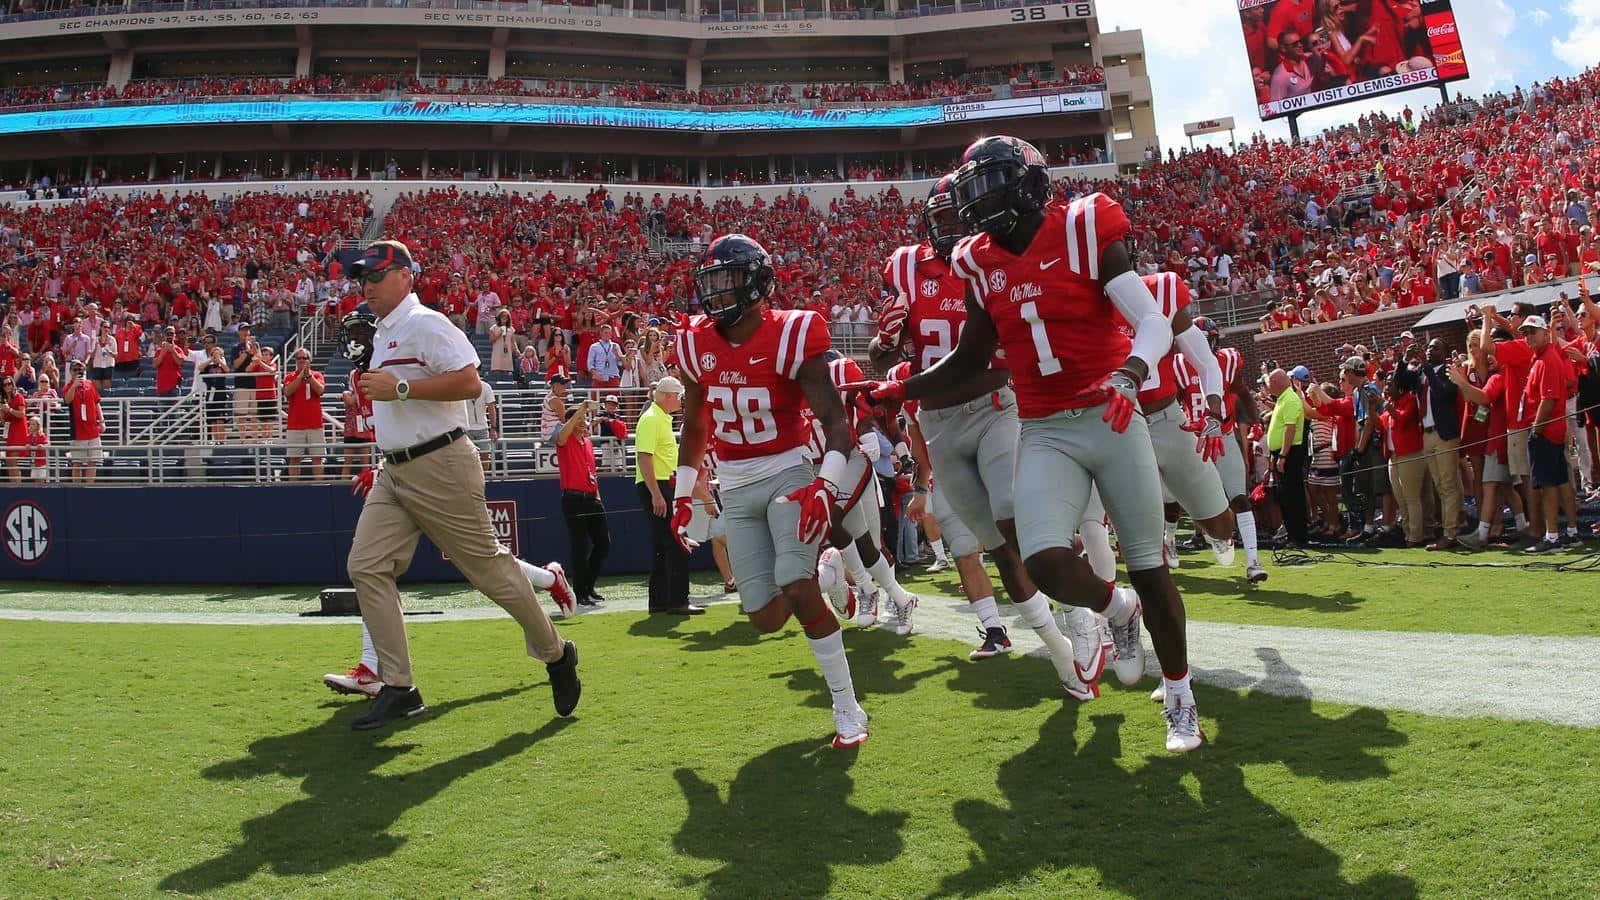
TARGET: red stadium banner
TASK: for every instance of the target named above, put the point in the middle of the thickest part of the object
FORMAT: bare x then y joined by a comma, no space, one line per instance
1308,54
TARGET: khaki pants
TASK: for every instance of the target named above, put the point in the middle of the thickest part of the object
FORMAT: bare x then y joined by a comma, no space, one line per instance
1444,467
440,495
1406,474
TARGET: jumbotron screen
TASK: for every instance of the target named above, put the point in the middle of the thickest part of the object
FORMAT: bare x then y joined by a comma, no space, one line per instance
1308,54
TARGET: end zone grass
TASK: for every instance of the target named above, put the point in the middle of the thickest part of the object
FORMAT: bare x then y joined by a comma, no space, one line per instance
209,759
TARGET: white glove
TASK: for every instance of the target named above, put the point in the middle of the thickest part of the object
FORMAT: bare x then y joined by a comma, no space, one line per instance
869,447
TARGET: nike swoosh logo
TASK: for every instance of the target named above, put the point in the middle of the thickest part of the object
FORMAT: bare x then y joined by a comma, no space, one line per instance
1043,266
757,360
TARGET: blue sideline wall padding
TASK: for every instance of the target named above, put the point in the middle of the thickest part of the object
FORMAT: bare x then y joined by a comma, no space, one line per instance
288,534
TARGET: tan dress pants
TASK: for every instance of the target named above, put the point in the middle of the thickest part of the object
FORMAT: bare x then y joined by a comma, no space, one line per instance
1406,474
440,495
1443,459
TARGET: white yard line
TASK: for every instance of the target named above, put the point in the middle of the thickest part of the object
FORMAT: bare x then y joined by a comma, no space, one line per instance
1545,679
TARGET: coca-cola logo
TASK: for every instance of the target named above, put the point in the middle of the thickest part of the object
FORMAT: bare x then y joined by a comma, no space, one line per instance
1442,29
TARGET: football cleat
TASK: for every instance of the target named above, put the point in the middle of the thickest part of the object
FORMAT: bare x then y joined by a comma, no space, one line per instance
1080,690
938,565
1169,549
1254,573
849,727
561,591
1159,695
1183,726
1128,658
995,642
902,614
1089,643
867,612
359,680
1222,550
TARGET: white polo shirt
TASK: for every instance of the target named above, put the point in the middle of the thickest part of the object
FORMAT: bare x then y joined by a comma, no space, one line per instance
414,342
478,409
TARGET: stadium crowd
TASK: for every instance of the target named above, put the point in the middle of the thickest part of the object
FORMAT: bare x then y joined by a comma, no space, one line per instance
975,84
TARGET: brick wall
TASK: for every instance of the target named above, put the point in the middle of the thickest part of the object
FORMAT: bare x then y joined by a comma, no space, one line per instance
1313,345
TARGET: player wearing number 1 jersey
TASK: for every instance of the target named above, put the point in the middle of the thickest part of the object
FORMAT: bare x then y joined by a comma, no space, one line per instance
971,434
1044,279
749,370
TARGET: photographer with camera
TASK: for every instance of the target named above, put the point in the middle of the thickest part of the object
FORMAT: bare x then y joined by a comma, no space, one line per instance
244,388
302,393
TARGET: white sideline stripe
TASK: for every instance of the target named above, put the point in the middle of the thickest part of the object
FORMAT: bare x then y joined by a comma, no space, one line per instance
1516,677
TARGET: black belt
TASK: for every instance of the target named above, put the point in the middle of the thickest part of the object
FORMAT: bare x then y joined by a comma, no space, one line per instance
588,495
422,449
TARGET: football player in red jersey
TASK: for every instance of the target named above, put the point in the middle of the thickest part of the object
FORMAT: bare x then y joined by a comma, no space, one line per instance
856,532
1186,470
1044,279
1238,408
749,370
971,434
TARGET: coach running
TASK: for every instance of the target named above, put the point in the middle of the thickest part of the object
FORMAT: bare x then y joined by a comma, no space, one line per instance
431,483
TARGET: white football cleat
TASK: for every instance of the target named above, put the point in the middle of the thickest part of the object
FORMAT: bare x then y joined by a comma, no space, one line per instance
1183,726
1169,549
561,591
902,614
1159,695
1254,573
1128,651
1089,653
938,565
867,611
1222,550
849,727
359,680
1078,689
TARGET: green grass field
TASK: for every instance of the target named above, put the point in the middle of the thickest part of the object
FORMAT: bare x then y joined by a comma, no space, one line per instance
209,760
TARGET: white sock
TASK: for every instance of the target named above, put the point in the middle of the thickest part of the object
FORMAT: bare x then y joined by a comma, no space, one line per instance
938,550
1247,534
1097,547
1522,522
1121,607
988,612
1572,530
1483,529
1552,536
1169,530
369,653
1036,612
1178,689
829,652
540,577
858,569
883,574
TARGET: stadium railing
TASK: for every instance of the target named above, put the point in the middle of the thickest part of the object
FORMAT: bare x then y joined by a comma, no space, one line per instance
1234,310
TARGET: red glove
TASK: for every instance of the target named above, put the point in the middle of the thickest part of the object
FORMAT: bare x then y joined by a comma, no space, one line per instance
878,393
362,484
1208,430
1119,391
682,512
891,321
816,509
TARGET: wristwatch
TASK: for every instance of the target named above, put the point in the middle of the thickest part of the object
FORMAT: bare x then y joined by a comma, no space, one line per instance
402,390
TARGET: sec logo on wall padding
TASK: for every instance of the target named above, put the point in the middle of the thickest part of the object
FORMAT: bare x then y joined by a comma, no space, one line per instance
27,532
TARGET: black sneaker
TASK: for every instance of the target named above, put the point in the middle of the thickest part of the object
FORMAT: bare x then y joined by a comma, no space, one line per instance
595,596
1569,539
590,601
390,704
995,642
1544,545
564,683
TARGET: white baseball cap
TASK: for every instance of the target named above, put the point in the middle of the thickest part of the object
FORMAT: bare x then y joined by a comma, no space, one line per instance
668,385
1532,322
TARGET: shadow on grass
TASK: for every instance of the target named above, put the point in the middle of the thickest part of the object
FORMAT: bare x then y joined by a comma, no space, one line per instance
873,668
693,634
786,822
349,808
1176,824
1335,602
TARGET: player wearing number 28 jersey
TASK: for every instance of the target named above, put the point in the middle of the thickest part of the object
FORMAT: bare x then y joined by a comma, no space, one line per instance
971,436
1044,280
749,370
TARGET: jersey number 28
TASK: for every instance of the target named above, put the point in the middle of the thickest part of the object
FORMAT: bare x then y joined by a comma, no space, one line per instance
743,415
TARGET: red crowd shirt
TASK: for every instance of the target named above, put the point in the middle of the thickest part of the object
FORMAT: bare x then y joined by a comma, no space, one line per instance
1550,379
128,343
86,419
17,429
358,415
575,460
169,369
305,405
1403,426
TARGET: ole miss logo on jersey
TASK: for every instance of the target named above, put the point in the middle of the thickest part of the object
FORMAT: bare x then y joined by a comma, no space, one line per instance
751,393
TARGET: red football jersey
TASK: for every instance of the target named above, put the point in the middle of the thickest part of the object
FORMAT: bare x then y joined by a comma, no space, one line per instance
751,391
936,300
1055,325
842,371
1188,379
1171,294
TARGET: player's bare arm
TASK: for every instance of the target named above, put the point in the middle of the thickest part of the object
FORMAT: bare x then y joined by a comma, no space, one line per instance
692,442
825,403
971,356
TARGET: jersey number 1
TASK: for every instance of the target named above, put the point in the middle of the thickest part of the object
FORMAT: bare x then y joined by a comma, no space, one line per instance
1048,364
743,416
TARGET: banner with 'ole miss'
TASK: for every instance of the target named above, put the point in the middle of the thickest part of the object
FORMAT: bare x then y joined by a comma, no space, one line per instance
1308,54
